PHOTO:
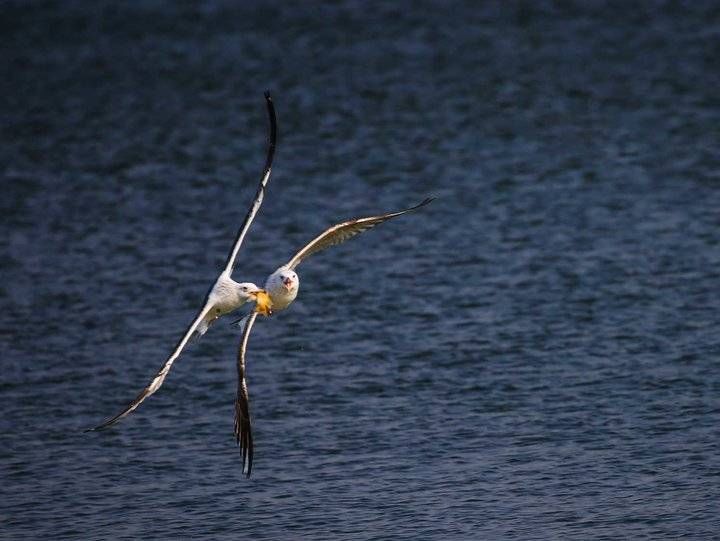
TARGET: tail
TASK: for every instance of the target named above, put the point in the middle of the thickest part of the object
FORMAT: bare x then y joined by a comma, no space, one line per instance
240,322
203,326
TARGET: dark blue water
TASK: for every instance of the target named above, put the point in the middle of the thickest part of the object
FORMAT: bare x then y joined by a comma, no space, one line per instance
533,356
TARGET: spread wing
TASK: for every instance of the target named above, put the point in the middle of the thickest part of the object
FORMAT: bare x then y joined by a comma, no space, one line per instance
160,377
243,430
157,381
260,194
339,233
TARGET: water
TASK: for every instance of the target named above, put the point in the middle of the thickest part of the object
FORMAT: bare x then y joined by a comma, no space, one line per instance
533,356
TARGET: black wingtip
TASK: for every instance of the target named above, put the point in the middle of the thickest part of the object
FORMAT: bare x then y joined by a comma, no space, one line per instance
425,201
272,142
271,108
98,428
110,422
249,452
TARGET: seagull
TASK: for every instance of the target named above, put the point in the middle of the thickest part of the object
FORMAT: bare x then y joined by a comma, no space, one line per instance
226,295
281,289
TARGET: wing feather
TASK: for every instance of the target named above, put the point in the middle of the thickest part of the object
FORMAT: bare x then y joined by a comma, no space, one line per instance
243,429
260,194
159,378
339,233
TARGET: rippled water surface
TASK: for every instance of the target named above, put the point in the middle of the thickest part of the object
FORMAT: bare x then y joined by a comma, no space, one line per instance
533,356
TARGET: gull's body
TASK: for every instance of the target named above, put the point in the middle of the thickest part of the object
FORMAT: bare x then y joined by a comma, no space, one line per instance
282,287
226,295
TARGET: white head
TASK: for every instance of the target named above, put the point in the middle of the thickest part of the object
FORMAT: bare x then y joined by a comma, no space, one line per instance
289,279
247,291
282,285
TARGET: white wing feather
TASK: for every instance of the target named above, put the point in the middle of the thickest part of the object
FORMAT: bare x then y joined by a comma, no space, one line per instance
260,194
341,232
159,378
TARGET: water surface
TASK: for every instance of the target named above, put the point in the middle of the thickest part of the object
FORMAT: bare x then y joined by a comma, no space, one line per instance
533,356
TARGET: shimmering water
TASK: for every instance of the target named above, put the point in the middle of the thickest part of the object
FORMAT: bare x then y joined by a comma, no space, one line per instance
533,356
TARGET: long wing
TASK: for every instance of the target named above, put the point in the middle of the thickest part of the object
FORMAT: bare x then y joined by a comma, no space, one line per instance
339,233
260,194
160,376
243,430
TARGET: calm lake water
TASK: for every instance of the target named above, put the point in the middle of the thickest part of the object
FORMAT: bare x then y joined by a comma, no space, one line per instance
533,356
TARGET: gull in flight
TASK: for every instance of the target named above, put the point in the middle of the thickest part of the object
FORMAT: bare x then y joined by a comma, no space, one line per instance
281,289
226,295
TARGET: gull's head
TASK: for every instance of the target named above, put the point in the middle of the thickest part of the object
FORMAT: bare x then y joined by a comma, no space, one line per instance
289,280
286,279
248,290
283,286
